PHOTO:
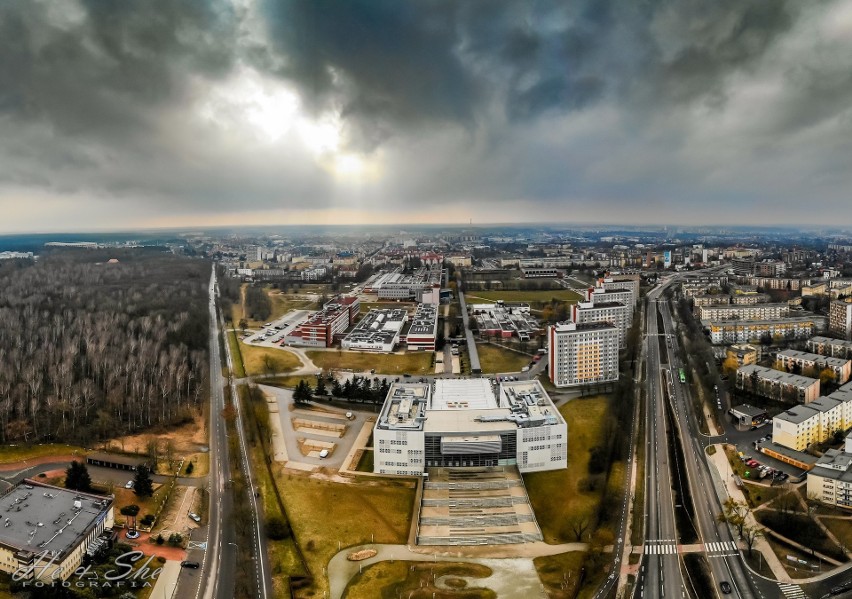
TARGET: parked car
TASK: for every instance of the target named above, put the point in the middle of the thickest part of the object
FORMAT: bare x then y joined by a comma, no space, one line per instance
187,564
323,454
194,517
129,484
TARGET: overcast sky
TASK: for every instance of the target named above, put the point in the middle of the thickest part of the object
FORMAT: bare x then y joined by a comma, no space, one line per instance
163,113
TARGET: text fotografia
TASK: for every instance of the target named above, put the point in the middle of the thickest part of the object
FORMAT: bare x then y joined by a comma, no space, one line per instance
125,574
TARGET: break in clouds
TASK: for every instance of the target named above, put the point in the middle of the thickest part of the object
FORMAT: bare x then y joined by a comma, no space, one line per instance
732,111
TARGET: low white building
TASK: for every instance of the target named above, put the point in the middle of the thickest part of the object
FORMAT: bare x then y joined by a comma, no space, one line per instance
469,423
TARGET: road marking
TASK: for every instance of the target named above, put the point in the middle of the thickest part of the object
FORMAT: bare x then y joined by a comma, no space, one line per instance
792,591
202,545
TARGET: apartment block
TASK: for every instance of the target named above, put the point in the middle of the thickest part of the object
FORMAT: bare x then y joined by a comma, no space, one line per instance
830,480
826,346
745,331
623,281
744,354
582,354
803,425
792,359
777,385
840,319
744,312
614,313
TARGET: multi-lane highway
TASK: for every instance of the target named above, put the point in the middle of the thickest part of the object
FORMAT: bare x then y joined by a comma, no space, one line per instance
660,571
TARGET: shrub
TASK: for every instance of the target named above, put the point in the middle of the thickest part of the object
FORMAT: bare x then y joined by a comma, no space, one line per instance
277,528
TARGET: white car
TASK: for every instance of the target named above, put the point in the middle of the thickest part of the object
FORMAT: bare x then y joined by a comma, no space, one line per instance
323,454
129,484
194,517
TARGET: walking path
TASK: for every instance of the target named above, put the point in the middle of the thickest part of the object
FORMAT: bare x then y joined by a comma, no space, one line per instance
167,581
720,460
514,575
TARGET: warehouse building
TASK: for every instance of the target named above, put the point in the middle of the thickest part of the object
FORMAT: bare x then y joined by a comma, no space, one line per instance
47,530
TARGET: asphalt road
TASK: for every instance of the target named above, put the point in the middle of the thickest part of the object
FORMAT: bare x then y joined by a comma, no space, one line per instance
660,572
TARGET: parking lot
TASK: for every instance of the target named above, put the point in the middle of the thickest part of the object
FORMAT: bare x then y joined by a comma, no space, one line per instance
272,334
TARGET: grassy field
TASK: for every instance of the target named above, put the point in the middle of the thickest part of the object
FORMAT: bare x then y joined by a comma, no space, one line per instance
326,516
234,347
283,555
254,359
281,304
560,573
390,580
291,381
495,359
16,453
536,299
411,363
842,529
367,306
585,418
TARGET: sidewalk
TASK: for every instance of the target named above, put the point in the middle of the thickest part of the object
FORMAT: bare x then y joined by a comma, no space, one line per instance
167,581
720,461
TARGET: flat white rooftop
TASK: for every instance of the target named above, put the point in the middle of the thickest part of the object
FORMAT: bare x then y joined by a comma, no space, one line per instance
463,394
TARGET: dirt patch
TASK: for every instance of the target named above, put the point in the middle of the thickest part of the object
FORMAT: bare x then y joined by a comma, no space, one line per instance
361,555
185,439
146,544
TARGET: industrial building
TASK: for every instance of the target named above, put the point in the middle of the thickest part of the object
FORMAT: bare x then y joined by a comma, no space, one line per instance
582,354
423,332
468,423
399,286
377,331
505,320
47,530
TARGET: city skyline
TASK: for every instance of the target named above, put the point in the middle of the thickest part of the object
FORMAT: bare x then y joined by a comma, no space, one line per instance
237,113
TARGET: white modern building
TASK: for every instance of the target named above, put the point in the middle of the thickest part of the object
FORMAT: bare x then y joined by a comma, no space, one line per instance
472,423
830,480
582,354
423,332
378,331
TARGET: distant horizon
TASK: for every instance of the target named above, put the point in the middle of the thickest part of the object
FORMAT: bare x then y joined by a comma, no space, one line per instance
447,225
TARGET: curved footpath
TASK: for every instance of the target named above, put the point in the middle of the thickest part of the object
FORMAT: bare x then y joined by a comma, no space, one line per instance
513,576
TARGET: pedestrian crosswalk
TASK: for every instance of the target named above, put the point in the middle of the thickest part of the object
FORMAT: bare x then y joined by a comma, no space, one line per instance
792,591
667,549
721,549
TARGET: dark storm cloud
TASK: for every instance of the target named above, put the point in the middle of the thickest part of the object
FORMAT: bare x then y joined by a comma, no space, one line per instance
415,62
105,68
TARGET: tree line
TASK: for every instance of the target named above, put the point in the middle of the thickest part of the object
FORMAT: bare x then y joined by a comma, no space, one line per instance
91,348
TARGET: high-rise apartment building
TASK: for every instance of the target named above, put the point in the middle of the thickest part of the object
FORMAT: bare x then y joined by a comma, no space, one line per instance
582,354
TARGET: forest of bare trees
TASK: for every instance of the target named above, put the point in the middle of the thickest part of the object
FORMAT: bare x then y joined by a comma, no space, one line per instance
91,349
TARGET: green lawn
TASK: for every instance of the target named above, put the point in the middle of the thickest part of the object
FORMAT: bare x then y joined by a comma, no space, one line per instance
234,347
536,299
556,496
391,580
16,453
411,363
495,359
255,358
326,515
